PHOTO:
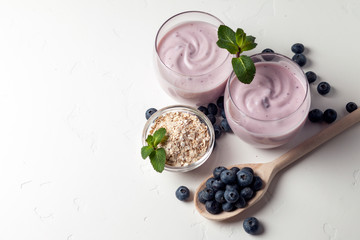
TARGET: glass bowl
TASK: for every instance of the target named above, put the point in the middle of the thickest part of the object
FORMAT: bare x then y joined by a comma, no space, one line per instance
190,67
192,111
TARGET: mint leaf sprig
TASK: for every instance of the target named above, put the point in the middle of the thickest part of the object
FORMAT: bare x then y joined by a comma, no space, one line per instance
157,155
236,43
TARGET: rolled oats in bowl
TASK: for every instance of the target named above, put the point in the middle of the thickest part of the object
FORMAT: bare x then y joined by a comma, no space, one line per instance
189,136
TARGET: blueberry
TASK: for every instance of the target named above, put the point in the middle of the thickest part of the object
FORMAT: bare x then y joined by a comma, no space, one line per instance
248,169
231,196
228,207
240,203
217,130
225,125
182,193
247,193
330,115
223,113
201,198
218,184
300,59
235,169
209,182
257,183
323,88
220,102
297,48
203,109
315,115
211,118
212,108
213,207
244,178
311,76
150,112
219,196
267,50
351,106
251,225
228,177
232,187
217,171
208,194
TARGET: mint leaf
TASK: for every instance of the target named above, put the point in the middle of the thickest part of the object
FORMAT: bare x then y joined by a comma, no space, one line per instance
227,39
159,135
240,38
146,151
244,68
158,159
248,44
150,140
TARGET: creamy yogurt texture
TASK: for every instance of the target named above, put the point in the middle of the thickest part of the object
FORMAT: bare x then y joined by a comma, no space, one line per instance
274,93
190,49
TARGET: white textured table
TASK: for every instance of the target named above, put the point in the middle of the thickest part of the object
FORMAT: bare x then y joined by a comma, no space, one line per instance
75,80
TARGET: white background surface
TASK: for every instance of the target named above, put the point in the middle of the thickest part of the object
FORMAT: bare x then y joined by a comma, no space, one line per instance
75,80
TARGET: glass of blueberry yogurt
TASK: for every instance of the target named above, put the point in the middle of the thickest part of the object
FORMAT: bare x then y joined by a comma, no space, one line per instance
190,136
191,68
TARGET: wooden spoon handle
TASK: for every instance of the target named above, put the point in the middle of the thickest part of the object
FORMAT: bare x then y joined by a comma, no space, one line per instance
316,140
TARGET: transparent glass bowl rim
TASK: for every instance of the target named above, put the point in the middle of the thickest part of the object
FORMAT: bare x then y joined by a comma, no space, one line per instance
294,65
188,109
173,17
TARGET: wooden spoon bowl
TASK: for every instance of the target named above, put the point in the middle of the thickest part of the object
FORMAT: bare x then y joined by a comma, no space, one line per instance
267,171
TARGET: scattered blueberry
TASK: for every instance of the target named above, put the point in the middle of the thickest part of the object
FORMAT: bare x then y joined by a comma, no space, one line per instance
244,178
351,106
182,193
231,196
330,115
220,102
209,182
218,184
228,177
311,76
203,109
323,88
267,50
241,203
150,112
251,225
315,115
247,193
300,59
213,207
219,196
208,194
217,171
297,48
211,118
223,113
225,125
217,131
212,108
257,183
228,207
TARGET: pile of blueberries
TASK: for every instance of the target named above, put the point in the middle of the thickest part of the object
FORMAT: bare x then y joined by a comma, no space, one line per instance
212,111
229,189
323,88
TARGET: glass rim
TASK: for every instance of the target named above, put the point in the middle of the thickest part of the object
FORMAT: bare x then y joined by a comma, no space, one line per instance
202,117
278,119
175,16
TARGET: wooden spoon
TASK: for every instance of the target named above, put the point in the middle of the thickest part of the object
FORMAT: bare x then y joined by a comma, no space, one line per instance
267,171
